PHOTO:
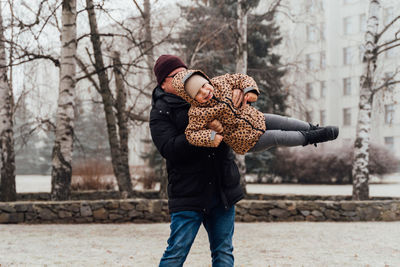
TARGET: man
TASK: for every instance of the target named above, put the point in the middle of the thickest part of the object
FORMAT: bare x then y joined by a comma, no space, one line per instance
203,183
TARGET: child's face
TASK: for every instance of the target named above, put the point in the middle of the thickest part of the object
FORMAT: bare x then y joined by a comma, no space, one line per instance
205,93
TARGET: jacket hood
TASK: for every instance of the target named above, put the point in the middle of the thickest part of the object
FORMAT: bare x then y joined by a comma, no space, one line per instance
179,84
171,99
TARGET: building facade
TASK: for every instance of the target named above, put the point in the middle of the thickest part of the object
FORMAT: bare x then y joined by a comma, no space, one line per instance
323,46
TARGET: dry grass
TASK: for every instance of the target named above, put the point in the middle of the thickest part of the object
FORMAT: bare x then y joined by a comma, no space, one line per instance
146,176
92,174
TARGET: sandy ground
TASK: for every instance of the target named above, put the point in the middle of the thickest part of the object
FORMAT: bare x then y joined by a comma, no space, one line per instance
256,244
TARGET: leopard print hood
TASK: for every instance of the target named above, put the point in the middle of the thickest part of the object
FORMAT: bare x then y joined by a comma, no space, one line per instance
179,84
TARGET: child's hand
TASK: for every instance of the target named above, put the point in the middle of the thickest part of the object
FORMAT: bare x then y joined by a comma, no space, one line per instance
249,97
216,126
217,140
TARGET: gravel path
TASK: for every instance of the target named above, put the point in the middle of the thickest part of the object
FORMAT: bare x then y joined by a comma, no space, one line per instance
256,244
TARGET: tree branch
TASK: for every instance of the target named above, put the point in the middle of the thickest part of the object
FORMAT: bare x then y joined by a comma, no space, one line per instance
31,56
100,34
138,7
386,84
379,35
136,117
387,48
84,69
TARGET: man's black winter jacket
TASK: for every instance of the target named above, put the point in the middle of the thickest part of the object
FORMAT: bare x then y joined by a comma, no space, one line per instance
197,176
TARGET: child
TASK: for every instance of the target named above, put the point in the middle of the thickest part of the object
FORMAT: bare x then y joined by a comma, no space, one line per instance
245,129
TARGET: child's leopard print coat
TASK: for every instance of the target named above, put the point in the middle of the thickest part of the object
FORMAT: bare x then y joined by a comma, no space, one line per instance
242,126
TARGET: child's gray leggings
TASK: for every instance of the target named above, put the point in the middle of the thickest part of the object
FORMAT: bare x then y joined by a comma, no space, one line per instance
281,131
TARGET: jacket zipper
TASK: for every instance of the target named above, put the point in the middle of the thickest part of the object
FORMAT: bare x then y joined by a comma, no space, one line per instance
235,114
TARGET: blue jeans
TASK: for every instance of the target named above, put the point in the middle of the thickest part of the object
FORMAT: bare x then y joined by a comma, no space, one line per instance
219,224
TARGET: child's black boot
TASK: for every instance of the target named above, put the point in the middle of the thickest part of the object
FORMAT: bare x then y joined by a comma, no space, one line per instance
314,127
320,135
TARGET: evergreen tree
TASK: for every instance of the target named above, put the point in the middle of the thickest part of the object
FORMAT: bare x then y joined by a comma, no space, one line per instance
33,142
208,43
90,132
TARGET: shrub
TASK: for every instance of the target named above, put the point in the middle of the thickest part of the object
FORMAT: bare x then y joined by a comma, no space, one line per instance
145,176
328,165
92,174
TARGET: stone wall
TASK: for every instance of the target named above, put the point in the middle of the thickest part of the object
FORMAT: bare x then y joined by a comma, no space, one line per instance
155,210
100,211
154,194
292,210
89,195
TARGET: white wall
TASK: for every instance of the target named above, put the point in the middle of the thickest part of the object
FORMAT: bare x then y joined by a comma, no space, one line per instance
296,47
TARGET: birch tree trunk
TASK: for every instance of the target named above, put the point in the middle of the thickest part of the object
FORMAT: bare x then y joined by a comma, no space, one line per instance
62,151
241,67
150,62
7,164
123,178
148,41
361,145
149,57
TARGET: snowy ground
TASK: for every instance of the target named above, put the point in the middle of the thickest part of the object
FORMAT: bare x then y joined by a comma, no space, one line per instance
256,244
389,187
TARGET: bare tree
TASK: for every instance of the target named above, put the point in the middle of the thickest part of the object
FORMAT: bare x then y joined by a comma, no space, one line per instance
94,69
120,106
368,88
148,45
7,178
243,8
241,67
120,170
63,145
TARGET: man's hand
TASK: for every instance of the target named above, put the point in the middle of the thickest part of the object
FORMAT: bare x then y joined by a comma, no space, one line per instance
216,126
217,140
237,97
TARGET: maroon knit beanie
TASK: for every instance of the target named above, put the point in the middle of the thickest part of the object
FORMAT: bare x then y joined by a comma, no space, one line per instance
165,64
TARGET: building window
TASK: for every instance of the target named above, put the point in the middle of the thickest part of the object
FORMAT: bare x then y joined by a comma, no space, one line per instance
362,23
322,32
310,6
347,86
323,89
390,52
389,113
389,142
346,117
348,26
309,62
311,33
322,60
347,55
389,78
314,5
322,117
309,91
388,15
309,116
